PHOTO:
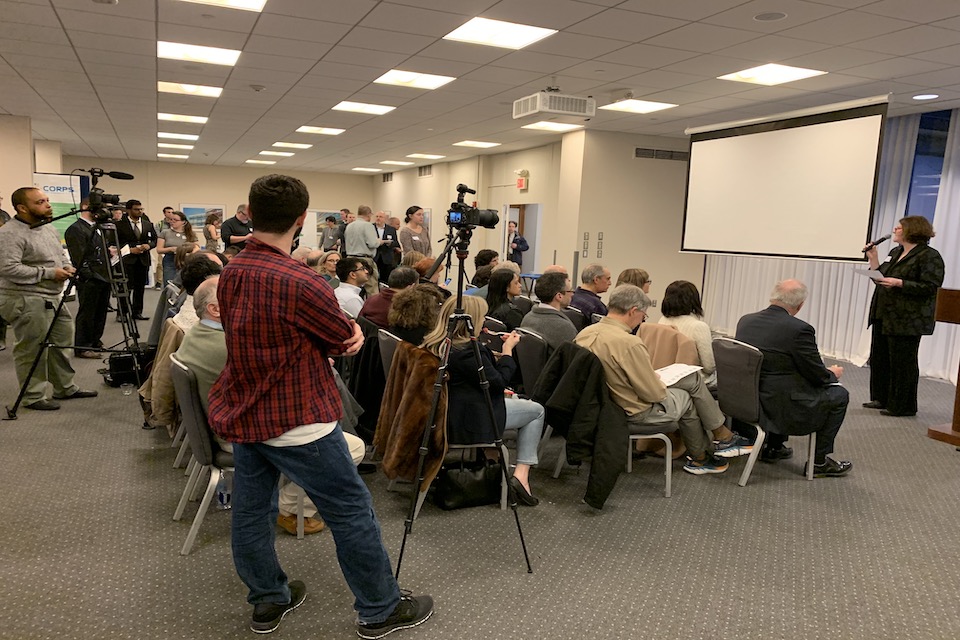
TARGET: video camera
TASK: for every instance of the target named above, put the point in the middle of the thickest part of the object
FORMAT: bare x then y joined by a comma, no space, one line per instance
98,204
462,215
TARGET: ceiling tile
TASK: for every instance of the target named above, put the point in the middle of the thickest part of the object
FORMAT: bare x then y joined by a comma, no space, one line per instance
531,61
369,57
847,27
201,36
836,59
285,47
384,40
647,56
577,45
681,10
205,16
412,20
894,68
463,7
464,52
626,25
551,14
328,10
701,37
773,48
798,12
281,26
89,21
926,11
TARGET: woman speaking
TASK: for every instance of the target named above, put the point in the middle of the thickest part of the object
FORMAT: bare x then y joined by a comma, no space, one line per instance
901,312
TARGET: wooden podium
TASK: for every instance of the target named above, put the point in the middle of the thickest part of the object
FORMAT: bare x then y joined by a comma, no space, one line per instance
948,310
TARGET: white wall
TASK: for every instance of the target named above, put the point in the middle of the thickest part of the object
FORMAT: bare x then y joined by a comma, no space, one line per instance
638,205
16,157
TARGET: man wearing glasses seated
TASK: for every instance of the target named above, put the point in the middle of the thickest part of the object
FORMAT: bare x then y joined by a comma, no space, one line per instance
353,274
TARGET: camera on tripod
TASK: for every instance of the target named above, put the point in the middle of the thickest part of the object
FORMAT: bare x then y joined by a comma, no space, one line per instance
462,215
98,204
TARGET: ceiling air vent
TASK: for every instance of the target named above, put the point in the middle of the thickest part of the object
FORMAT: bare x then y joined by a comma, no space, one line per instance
661,154
425,171
387,177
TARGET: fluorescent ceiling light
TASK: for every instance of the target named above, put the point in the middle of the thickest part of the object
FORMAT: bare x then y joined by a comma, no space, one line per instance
177,136
425,156
369,169
363,107
496,33
176,117
282,154
245,5
261,162
413,79
771,74
196,53
398,163
172,156
189,89
638,106
556,127
926,96
475,143
323,131
291,145
167,145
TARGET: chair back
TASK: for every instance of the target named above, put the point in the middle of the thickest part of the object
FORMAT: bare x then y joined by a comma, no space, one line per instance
388,346
523,303
194,417
667,345
531,355
738,379
576,317
595,318
492,340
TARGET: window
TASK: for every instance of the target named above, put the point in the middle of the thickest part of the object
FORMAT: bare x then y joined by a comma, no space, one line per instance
928,164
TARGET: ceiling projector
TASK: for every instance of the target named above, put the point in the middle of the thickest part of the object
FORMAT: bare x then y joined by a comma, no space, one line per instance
555,104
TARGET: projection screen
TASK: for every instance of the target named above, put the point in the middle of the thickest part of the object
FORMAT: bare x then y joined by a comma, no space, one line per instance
797,187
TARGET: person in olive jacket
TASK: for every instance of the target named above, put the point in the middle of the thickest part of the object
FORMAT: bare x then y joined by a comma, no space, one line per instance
901,312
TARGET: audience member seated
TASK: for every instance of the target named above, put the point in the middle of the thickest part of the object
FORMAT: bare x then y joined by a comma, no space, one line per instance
353,274
423,268
325,263
504,286
301,253
682,310
547,318
556,268
377,307
467,413
231,251
799,395
480,280
204,352
636,277
197,268
183,252
486,257
411,258
594,280
637,389
414,313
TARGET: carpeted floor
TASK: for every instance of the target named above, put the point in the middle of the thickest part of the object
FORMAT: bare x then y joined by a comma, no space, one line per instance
88,547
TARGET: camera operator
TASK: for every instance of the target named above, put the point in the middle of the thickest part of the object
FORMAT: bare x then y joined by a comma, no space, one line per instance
32,272
85,242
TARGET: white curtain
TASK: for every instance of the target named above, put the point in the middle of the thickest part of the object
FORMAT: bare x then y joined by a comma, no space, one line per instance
940,352
839,299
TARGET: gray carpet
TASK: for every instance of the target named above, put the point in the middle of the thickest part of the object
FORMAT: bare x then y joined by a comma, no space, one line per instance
88,548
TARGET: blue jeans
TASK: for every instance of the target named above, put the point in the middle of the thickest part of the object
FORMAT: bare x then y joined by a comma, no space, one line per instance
169,265
526,416
326,472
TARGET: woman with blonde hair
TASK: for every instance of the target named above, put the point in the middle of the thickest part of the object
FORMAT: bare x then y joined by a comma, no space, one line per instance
636,277
468,420
178,233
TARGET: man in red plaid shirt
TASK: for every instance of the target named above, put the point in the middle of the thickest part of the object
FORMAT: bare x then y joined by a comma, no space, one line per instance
277,402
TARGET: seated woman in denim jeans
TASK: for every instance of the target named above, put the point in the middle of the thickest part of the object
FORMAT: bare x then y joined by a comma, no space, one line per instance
468,419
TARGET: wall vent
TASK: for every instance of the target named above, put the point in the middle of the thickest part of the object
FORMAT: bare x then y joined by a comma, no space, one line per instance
387,177
425,171
661,154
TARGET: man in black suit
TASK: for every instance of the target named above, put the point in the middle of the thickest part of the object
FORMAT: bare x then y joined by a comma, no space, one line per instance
387,252
798,394
136,234
85,242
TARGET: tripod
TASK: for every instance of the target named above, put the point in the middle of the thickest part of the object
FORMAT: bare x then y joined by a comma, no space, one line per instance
457,320
117,279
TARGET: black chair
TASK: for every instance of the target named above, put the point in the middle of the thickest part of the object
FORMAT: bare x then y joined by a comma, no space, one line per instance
576,317
595,318
388,346
523,303
492,340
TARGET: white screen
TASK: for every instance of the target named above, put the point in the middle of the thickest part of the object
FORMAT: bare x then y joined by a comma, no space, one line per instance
804,191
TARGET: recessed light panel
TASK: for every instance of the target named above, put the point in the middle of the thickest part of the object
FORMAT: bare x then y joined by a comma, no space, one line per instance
496,33
177,136
282,154
413,79
771,74
397,163
167,145
425,156
291,145
556,127
177,117
172,156
261,162
476,144
926,96
189,89
245,5
323,131
363,107
638,106
367,169
196,53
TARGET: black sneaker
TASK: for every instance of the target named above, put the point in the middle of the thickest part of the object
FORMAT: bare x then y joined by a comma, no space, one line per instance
831,468
410,612
267,616
774,454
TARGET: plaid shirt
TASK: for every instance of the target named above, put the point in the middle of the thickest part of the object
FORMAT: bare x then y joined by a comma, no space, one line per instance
281,321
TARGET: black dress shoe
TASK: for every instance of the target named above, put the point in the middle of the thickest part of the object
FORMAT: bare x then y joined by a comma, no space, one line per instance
771,454
43,405
887,412
366,468
873,404
139,317
831,468
523,496
79,393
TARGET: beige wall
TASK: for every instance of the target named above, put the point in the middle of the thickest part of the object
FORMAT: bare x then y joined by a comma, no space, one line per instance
638,205
16,157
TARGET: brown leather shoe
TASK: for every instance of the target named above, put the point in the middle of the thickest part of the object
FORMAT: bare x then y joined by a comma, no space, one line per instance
289,524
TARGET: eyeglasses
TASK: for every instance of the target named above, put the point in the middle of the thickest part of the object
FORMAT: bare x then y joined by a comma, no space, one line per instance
361,269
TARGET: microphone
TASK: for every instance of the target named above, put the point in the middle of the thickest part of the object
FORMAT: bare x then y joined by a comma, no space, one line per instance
876,242
116,175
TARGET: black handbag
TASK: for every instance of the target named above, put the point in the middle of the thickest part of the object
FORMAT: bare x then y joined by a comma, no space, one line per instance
468,484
